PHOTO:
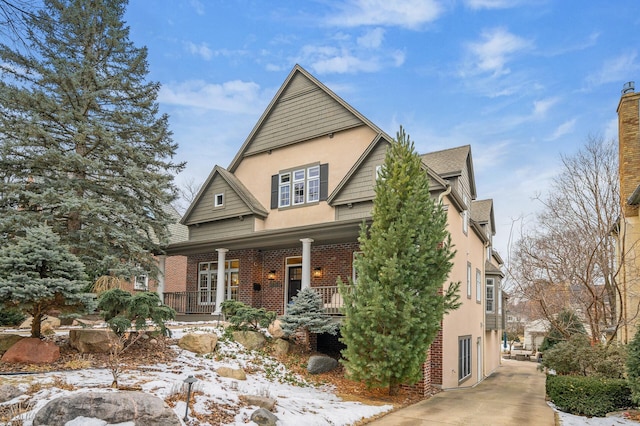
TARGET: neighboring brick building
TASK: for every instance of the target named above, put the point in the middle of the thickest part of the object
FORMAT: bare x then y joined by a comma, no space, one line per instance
629,224
286,215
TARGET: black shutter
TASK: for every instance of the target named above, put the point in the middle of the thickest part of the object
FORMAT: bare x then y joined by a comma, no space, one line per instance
274,192
324,181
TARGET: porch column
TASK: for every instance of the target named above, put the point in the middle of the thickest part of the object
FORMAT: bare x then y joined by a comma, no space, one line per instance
306,263
221,283
160,289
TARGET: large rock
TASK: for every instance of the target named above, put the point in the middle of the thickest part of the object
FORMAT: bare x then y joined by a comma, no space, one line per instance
321,364
8,392
200,343
275,329
32,351
251,340
259,401
281,347
232,373
263,417
53,322
92,340
8,340
113,407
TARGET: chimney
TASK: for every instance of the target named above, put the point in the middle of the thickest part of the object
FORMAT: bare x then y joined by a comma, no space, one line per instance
629,146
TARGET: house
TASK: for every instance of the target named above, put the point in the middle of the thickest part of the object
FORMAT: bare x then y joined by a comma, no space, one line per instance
628,232
286,214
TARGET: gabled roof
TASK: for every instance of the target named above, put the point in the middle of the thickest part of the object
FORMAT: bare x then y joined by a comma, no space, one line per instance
238,187
491,269
482,212
290,103
451,162
177,231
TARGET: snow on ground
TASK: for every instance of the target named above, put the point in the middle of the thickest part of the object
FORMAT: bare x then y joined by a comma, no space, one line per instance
567,419
298,402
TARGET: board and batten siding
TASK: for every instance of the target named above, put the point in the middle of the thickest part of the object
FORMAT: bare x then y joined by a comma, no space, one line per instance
205,210
304,111
221,229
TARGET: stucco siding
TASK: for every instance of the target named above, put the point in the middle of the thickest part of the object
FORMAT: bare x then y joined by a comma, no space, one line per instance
221,229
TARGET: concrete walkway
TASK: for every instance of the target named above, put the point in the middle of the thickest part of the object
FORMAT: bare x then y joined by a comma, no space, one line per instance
513,395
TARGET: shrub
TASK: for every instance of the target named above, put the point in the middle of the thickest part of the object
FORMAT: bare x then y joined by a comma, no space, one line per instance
633,368
588,396
578,356
567,324
245,317
11,316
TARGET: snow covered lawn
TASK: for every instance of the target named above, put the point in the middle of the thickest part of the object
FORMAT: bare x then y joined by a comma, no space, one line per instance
216,398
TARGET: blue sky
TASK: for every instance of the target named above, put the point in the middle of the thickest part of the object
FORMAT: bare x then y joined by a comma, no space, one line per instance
522,82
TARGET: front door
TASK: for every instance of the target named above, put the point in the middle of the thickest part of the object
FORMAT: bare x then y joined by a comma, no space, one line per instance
295,282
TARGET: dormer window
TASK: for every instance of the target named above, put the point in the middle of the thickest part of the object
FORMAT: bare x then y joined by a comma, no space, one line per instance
300,186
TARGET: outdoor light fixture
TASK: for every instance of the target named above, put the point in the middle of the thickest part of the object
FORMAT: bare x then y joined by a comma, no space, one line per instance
271,275
189,381
317,272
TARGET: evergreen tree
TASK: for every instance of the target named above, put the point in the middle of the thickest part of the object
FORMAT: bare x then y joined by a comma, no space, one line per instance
38,274
394,311
82,144
567,324
306,315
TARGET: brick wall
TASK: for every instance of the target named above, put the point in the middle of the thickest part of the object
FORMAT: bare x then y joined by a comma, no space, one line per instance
175,273
629,149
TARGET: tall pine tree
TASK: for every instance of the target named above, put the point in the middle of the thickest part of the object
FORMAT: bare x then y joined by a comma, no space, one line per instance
83,146
394,311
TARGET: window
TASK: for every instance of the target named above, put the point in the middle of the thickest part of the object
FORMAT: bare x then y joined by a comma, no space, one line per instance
490,298
141,282
468,280
298,187
464,358
218,200
478,286
208,281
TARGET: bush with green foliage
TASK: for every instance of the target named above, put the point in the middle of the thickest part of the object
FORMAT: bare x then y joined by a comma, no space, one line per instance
566,325
244,317
588,396
578,356
633,368
11,316
122,311
306,315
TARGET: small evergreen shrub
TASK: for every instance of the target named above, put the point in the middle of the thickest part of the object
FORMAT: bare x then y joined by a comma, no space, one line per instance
243,317
633,368
578,356
588,396
11,316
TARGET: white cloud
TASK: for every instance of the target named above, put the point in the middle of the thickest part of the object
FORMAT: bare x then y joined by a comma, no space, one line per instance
619,68
492,4
410,14
493,51
197,6
232,96
563,129
541,107
372,39
201,50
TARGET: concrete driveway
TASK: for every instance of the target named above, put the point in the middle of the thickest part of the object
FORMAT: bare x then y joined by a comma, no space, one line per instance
513,395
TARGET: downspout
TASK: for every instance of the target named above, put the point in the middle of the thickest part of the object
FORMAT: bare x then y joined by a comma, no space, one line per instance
444,194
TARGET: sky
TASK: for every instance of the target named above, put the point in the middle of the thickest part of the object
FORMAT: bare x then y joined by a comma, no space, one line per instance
522,82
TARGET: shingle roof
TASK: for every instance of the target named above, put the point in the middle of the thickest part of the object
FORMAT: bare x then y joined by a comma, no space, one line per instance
481,210
634,199
448,161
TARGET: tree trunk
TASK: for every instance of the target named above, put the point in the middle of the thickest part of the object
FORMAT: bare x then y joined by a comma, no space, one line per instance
394,387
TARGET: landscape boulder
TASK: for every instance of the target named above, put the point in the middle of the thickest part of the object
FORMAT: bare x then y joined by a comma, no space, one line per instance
200,343
8,392
321,364
88,340
259,401
251,340
32,350
112,407
264,417
275,329
232,373
281,347
53,322
8,340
